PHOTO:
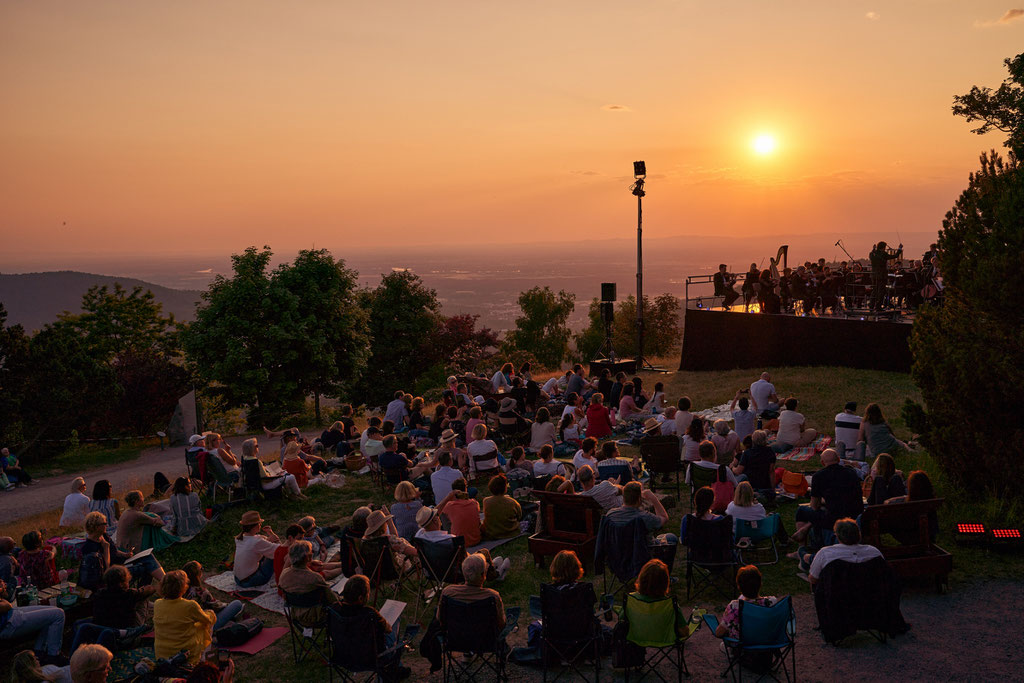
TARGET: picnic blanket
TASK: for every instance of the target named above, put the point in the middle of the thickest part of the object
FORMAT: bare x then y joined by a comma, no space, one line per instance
262,640
226,582
491,545
804,453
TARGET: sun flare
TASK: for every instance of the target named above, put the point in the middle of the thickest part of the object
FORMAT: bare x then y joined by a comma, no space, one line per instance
764,144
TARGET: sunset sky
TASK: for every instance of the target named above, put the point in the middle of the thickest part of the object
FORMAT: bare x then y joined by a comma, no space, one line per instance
168,127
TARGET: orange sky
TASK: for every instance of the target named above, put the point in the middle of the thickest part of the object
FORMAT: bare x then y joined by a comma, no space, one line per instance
344,123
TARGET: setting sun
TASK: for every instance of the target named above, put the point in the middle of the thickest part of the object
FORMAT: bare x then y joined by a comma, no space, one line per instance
764,144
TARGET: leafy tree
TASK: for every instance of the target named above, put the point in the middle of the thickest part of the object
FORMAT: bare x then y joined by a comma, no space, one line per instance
403,320
969,353
331,345
150,385
243,340
14,379
662,333
542,329
115,322
459,346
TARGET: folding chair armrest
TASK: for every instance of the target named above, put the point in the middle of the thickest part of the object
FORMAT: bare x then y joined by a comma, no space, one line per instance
712,621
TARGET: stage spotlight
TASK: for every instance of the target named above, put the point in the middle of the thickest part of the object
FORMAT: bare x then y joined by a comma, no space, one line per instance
1006,539
639,170
970,532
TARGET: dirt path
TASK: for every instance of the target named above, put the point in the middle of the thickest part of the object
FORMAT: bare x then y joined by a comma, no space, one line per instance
49,493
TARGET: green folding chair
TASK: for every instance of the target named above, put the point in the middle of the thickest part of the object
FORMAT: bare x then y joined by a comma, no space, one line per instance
659,627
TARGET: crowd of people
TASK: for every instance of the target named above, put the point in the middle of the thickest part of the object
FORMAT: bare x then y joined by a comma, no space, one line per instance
887,282
439,466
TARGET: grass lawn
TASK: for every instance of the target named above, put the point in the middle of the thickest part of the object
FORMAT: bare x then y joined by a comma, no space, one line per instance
87,456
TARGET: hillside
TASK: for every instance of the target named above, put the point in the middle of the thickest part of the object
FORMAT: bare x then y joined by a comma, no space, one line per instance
34,299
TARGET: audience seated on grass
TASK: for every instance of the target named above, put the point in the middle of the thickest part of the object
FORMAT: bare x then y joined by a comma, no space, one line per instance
482,446
848,432
189,519
599,422
876,435
793,430
634,496
103,502
757,465
692,439
180,624
884,482
132,527
76,504
25,668
254,551
542,431
619,470
586,455
547,465
269,482
295,466
463,513
36,561
12,469
727,442
502,512
119,606
848,548
90,664
607,492
744,416
442,478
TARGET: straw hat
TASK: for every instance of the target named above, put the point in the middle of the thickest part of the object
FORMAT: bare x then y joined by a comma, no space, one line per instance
376,520
507,404
448,436
250,517
425,515
651,424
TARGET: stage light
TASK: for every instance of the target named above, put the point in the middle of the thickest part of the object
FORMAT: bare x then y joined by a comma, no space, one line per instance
970,532
639,170
1007,539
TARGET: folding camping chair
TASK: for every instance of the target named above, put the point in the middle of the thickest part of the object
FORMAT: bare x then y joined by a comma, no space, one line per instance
618,552
252,482
709,552
656,626
660,456
306,638
699,477
356,648
472,629
766,640
570,633
379,567
439,564
762,538
220,480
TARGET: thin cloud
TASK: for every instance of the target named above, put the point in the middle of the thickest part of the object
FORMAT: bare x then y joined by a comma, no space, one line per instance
1010,16
616,107
873,16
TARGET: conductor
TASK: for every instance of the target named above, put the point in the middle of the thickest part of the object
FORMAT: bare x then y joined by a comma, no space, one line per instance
880,257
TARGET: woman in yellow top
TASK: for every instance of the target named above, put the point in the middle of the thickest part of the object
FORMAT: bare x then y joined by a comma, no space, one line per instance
180,624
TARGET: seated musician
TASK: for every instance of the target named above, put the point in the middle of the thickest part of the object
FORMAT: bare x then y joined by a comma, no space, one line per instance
724,282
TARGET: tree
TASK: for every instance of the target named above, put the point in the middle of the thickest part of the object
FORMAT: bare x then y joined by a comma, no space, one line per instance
541,330
969,352
662,333
1000,109
14,379
459,346
242,340
403,320
116,322
332,343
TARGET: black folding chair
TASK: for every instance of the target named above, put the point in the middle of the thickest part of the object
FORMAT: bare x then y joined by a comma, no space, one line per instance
379,567
356,648
471,628
660,455
439,565
616,555
252,482
709,554
220,480
570,633
699,477
484,474
306,637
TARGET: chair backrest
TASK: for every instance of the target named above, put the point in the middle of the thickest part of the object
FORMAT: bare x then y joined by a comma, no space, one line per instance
702,476
220,473
311,599
760,530
470,626
624,472
624,546
709,541
251,475
660,453
651,624
539,483
394,475
568,516
567,612
766,626
378,563
438,558
354,645
486,457
351,557
902,520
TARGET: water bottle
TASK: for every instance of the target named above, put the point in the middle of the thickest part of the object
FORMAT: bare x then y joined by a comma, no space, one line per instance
760,423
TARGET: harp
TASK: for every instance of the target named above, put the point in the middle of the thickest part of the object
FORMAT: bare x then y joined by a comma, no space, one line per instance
782,256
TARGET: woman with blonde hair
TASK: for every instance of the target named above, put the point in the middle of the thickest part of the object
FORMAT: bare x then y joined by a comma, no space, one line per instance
745,505
294,465
481,445
407,504
76,504
25,668
180,624
886,483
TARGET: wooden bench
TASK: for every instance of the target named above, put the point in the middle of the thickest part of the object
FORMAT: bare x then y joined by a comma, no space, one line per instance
569,522
910,524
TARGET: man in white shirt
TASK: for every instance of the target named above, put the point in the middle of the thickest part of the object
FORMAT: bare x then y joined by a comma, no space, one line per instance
551,387
397,412
668,421
586,455
762,392
364,437
374,445
683,415
429,522
442,478
847,428
848,548
708,453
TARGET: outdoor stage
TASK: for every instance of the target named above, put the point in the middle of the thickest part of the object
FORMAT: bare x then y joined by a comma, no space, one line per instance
722,340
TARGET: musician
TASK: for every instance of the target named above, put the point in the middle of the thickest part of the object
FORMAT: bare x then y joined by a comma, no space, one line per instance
880,257
750,284
724,282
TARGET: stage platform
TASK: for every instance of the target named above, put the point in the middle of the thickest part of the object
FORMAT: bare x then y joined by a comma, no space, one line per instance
723,340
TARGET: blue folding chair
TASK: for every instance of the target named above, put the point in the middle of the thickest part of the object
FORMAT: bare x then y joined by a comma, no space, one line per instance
767,640
762,537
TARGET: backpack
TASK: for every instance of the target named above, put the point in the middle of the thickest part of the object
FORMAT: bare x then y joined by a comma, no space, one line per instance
795,483
237,633
90,571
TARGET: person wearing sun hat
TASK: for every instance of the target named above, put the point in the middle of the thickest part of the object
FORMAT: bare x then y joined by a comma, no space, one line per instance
429,521
254,551
381,523
652,427
448,443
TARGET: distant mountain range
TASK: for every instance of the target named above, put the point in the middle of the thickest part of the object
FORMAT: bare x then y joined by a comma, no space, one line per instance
34,299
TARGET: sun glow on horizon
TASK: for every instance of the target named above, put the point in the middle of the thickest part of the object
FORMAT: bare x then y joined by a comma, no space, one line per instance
764,144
